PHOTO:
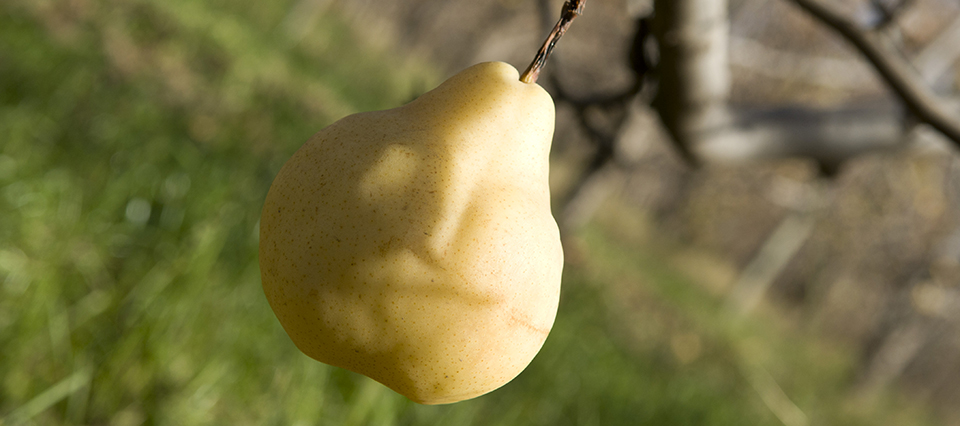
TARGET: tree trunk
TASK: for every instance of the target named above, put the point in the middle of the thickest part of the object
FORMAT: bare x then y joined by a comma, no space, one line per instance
693,71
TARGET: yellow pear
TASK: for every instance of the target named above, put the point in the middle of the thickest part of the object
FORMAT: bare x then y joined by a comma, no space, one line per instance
416,245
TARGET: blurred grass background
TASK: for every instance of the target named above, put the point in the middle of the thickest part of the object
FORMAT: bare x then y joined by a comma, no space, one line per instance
137,141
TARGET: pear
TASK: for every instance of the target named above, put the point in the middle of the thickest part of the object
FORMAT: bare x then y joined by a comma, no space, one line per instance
416,245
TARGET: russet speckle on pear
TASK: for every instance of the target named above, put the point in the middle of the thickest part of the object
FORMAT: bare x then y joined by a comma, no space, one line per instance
416,245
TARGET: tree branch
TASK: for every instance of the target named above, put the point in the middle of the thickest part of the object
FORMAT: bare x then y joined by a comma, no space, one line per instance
893,68
829,136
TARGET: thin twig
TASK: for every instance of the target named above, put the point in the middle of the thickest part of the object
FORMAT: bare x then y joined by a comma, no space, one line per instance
893,68
571,10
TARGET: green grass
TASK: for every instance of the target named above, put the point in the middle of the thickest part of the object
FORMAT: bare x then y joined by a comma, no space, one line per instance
137,141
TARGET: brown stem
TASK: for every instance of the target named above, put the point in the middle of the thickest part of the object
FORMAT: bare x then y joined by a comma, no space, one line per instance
571,10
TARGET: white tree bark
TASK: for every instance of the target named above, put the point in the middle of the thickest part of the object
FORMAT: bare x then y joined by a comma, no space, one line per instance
693,71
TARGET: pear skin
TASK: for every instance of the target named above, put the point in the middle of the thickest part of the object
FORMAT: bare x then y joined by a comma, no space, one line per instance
416,245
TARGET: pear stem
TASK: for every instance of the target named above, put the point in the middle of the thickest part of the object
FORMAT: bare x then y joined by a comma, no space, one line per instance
571,10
